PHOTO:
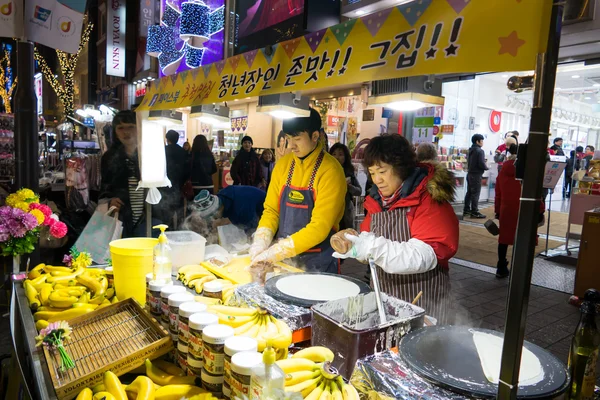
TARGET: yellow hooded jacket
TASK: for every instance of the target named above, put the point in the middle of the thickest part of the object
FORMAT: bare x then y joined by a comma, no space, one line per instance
330,193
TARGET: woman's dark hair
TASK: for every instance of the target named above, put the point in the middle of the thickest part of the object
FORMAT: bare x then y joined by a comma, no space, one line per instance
200,145
590,147
266,151
122,117
394,150
512,149
579,149
347,166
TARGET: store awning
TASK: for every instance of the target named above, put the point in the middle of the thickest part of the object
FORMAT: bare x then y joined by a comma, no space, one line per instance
418,38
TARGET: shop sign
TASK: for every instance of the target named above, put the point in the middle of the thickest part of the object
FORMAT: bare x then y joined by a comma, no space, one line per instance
140,90
38,87
369,115
226,180
422,135
495,121
423,122
447,129
239,124
433,37
147,16
552,173
387,113
115,32
332,120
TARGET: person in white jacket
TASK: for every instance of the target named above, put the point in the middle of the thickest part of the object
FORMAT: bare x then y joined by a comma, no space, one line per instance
410,230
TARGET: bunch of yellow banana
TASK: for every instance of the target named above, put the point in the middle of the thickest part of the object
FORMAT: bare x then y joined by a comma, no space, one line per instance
61,293
257,324
309,373
195,276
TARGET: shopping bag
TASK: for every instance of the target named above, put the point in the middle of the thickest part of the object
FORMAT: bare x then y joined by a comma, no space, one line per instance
102,229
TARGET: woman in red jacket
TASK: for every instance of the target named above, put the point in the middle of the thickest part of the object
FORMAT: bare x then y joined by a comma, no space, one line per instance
411,230
508,193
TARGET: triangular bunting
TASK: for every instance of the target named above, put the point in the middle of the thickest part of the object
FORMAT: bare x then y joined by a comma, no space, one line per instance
314,39
413,11
269,52
234,61
173,79
458,5
375,21
184,75
162,82
250,56
342,31
206,70
194,73
220,65
290,46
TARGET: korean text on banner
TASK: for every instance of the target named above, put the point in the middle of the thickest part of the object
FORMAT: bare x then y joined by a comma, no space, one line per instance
11,18
418,38
55,23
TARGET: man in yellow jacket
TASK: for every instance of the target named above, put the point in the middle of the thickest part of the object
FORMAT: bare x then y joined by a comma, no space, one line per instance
305,201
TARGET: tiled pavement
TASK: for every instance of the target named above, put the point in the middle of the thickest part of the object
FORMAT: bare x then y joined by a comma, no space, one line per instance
480,301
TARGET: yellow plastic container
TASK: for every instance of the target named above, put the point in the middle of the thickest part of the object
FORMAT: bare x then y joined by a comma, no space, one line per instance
132,260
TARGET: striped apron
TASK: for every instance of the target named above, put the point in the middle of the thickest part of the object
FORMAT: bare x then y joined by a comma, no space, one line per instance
435,284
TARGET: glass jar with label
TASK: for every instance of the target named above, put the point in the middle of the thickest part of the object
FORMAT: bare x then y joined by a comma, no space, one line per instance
241,372
234,345
154,289
212,383
197,323
148,279
213,289
175,300
213,342
165,292
185,311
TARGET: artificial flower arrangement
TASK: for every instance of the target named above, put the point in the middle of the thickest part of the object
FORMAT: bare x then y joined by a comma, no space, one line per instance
21,220
53,337
76,259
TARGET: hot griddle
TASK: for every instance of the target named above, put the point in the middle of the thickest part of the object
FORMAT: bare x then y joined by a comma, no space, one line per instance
272,290
446,356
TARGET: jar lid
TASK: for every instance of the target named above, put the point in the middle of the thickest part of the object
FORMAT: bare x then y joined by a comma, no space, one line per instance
149,277
191,307
238,344
156,286
202,320
213,287
179,298
217,333
170,289
243,362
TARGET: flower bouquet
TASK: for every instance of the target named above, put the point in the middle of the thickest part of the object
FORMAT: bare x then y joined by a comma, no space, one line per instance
21,220
53,337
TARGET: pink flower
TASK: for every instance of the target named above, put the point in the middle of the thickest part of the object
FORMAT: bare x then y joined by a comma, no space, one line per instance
58,229
47,211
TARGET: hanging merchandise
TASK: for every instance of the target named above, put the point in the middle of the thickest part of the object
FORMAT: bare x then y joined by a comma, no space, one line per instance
77,191
153,161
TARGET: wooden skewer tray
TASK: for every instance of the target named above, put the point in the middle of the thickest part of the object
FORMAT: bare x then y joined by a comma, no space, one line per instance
117,338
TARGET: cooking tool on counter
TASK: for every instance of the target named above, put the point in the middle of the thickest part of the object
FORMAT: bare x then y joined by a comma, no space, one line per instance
447,356
375,281
352,329
311,288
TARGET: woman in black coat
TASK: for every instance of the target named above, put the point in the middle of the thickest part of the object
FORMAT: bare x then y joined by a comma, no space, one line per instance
202,165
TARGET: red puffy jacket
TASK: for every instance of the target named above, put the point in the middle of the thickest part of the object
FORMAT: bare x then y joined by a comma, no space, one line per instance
431,218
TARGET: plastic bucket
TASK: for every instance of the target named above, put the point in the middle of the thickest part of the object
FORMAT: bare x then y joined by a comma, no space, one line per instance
132,260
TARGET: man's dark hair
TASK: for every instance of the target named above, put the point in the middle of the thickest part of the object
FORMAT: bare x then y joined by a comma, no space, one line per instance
394,150
558,139
476,138
172,137
295,126
579,149
513,149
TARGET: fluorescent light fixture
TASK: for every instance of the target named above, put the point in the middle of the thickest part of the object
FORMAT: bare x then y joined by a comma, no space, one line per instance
166,117
587,98
360,12
575,76
81,113
211,114
408,101
284,105
596,85
406,105
557,88
505,76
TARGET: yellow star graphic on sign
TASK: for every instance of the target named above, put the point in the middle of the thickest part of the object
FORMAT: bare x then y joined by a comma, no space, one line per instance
510,44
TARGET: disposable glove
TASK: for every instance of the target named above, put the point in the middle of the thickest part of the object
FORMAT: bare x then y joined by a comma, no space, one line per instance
262,240
411,257
281,250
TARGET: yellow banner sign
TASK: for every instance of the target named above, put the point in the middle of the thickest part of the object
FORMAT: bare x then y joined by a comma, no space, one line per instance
419,38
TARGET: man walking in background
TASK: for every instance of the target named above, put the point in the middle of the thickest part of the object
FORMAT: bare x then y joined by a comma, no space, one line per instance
476,168
557,147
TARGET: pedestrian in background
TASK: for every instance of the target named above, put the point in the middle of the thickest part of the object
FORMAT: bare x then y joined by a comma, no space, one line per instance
341,153
476,167
427,152
245,169
557,147
202,165
266,165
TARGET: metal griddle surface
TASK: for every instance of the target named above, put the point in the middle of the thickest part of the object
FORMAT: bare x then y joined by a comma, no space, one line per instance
446,355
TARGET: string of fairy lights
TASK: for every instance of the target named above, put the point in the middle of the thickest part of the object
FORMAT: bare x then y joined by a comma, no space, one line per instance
65,90
6,90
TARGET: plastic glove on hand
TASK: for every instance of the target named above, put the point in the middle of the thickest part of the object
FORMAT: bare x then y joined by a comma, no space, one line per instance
361,246
279,251
262,240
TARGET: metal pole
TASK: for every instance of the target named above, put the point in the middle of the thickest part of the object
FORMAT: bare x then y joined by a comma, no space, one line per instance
524,250
548,225
148,220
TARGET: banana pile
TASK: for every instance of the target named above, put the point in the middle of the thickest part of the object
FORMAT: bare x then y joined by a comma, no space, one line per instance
61,293
195,276
257,324
309,372
162,381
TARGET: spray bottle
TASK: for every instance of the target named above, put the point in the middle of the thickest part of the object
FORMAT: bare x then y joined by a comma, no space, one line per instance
162,257
268,379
